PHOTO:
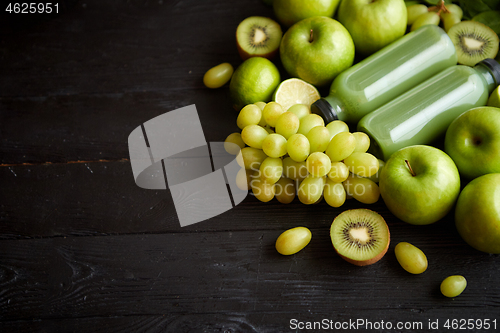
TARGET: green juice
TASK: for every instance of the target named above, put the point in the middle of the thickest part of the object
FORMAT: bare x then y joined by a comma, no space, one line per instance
423,113
387,74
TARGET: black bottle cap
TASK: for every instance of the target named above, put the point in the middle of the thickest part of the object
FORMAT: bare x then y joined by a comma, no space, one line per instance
322,108
494,68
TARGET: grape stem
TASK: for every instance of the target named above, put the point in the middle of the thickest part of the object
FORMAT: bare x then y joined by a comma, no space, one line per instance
311,39
440,8
409,167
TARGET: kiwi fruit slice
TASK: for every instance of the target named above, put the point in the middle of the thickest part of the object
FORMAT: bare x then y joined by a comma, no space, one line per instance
258,36
473,41
360,236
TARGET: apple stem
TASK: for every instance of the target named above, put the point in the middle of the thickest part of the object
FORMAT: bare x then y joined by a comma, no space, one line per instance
409,167
311,39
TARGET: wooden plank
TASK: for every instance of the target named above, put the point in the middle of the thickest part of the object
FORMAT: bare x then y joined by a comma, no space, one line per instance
232,273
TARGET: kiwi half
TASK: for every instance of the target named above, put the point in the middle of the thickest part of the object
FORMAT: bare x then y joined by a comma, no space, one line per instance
473,41
360,236
258,36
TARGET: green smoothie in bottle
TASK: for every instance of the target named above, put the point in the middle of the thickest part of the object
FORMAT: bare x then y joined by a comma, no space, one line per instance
387,74
423,113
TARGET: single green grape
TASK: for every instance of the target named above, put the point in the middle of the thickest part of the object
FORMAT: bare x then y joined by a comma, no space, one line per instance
334,193
300,110
376,176
455,9
249,115
362,164
272,111
298,147
271,170
337,126
341,146
362,189
308,122
362,142
453,285
449,20
287,124
311,189
285,190
293,240
294,170
414,12
262,190
319,138
251,158
411,258
339,172
218,76
274,145
318,164
425,19
234,143
254,135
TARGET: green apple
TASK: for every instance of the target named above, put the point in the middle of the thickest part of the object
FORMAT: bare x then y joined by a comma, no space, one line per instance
419,184
316,50
473,141
477,215
290,12
373,24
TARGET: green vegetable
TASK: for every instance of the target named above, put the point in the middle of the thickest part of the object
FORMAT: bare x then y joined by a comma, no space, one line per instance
490,18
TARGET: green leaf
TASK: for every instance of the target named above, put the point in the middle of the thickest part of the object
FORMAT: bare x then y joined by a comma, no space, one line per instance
473,7
491,19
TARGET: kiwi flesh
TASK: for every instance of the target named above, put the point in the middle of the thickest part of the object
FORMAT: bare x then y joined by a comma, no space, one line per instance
473,41
258,36
360,236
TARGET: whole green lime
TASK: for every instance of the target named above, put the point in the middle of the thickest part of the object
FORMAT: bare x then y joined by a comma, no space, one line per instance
255,80
290,12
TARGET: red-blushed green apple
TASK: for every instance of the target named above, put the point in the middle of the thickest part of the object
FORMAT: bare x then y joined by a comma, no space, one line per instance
473,142
419,184
290,12
316,50
477,215
373,24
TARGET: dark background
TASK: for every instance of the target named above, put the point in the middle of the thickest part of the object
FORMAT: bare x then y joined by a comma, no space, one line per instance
83,249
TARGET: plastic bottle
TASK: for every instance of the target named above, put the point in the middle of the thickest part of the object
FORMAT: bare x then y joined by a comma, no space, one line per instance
387,74
423,113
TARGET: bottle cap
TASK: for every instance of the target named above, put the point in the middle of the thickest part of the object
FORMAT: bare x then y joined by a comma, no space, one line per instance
322,108
494,68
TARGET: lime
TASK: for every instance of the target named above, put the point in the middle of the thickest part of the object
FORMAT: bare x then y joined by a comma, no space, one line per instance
253,81
295,91
494,99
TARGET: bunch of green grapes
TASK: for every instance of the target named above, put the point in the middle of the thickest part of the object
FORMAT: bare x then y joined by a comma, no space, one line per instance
420,15
293,153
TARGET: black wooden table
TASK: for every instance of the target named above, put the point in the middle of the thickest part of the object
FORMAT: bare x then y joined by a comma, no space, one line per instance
83,249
